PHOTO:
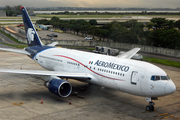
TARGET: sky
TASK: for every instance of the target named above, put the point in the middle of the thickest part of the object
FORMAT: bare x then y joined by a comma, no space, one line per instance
94,3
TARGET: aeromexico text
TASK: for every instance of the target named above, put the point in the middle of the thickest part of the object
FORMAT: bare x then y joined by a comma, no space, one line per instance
112,65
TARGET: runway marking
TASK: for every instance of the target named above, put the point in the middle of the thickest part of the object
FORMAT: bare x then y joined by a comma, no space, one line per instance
18,103
163,114
166,115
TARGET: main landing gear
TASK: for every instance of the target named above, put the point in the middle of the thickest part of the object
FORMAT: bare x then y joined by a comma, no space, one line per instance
150,107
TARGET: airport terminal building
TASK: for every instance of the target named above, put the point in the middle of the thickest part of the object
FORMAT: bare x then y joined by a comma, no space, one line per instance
2,13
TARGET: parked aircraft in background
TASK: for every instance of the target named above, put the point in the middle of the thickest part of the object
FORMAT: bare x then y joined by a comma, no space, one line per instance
121,73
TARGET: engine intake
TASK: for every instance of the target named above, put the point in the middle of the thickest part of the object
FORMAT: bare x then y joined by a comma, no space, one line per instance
59,87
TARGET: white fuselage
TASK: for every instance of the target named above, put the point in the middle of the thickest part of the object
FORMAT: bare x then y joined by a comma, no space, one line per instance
127,75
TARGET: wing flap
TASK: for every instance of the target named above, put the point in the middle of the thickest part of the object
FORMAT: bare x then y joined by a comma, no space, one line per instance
129,54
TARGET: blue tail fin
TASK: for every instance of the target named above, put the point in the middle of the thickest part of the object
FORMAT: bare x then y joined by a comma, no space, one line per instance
31,34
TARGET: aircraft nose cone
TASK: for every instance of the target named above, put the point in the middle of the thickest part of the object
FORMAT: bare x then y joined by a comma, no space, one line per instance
170,87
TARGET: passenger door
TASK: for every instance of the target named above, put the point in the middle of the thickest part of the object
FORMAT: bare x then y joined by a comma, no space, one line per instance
134,77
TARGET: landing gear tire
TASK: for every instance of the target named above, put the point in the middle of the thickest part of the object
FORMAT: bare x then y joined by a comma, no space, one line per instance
152,108
149,108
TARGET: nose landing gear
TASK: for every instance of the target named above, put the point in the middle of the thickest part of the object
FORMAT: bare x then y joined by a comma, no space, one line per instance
150,107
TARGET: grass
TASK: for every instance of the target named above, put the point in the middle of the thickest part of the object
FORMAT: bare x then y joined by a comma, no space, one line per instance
13,39
16,46
10,17
162,61
10,37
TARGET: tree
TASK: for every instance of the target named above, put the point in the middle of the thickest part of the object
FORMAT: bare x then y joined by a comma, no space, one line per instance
168,38
93,22
84,26
9,11
130,24
116,31
108,26
150,25
99,33
104,33
159,22
55,21
170,24
12,11
17,9
92,31
177,24
128,37
43,21
72,24
76,27
137,28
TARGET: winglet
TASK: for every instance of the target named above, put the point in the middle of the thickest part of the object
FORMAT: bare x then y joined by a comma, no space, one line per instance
129,54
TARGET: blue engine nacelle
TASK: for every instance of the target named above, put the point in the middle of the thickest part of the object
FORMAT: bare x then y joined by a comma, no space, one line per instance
59,87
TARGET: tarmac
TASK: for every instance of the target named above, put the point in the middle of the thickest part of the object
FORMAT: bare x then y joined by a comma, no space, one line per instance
24,97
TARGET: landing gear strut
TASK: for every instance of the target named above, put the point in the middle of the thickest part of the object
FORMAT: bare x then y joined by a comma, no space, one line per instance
150,107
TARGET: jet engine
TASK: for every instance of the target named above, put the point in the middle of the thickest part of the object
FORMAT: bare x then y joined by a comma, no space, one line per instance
59,87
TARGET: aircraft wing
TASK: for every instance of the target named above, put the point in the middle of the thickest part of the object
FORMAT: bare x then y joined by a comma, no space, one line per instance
47,73
129,54
15,50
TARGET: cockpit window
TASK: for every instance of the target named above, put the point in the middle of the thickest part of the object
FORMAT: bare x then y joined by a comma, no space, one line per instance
164,78
155,78
152,77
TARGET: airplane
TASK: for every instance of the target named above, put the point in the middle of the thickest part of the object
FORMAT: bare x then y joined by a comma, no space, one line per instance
117,72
